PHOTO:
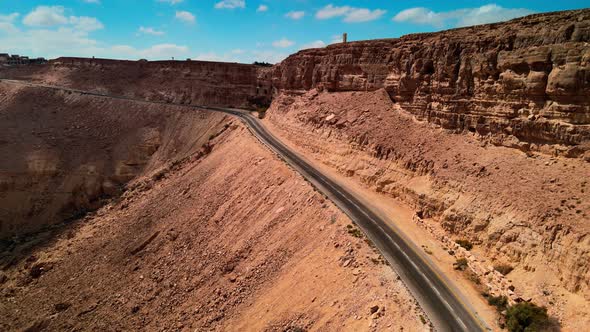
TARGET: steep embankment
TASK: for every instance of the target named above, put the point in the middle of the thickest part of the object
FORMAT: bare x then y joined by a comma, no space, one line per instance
187,82
227,239
63,153
387,114
524,83
527,211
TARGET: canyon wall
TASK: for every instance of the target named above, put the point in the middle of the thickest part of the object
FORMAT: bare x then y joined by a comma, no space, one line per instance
62,154
524,83
187,82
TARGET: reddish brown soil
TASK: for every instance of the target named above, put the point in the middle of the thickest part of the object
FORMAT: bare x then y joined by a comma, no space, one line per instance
221,235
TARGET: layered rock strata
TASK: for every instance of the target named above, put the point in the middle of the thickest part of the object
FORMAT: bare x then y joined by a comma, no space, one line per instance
188,82
524,83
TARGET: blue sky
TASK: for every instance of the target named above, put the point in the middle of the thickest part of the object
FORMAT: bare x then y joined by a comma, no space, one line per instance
231,30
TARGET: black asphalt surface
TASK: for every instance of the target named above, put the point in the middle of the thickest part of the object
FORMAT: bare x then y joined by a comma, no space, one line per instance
443,304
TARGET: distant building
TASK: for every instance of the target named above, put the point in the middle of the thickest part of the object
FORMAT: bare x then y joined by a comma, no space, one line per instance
17,60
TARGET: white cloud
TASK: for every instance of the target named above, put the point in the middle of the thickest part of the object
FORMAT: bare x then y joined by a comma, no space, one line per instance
460,17
92,1
150,31
185,17
172,2
9,18
363,15
50,43
238,51
262,8
160,51
295,15
45,16
85,23
7,27
283,43
330,12
53,35
350,14
6,23
314,44
230,4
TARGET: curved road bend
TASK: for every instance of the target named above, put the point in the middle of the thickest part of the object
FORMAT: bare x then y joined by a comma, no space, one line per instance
444,304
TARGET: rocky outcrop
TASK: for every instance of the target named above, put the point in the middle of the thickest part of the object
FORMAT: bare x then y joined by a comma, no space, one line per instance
523,83
188,82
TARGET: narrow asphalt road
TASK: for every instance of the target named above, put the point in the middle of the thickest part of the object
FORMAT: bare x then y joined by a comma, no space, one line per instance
443,303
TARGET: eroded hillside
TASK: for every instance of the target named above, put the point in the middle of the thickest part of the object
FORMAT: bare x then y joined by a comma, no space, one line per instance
527,211
213,233
64,153
185,82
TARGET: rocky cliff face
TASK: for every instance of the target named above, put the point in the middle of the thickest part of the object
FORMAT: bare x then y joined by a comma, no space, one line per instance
189,82
524,83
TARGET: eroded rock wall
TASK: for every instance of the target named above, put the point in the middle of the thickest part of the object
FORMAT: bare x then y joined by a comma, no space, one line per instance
189,82
527,79
62,154
528,211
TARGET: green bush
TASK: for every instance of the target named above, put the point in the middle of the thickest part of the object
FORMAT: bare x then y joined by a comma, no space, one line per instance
500,302
526,317
461,264
503,268
465,244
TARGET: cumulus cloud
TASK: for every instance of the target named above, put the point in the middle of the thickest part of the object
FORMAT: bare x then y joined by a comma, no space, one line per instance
6,22
46,16
185,17
295,15
314,44
283,43
85,23
349,14
150,31
9,18
50,33
460,17
230,4
262,8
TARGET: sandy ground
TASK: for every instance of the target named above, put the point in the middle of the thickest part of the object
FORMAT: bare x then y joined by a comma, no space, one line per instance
226,239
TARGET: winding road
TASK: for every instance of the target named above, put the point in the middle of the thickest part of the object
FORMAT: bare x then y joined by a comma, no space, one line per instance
443,302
